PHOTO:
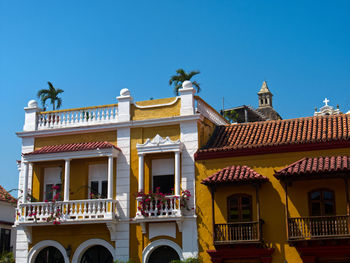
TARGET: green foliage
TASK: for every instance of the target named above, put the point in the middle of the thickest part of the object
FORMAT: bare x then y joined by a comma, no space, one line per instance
50,94
180,77
231,116
189,260
118,261
7,257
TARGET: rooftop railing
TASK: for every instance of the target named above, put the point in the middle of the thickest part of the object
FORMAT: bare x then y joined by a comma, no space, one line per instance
78,117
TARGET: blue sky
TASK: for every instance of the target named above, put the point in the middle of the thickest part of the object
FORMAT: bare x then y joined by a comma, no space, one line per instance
92,49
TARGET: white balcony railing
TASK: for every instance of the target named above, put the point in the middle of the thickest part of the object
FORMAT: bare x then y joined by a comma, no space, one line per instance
77,117
159,208
68,211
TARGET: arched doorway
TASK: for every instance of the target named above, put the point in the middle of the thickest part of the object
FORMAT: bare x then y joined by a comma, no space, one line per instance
49,255
163,254
97,254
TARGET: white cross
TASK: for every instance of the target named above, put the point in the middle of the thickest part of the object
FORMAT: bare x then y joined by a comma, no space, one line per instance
326,101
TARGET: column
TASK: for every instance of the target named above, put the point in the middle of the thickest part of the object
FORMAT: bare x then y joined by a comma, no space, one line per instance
177,173
25,183
141,172
66,179
110,178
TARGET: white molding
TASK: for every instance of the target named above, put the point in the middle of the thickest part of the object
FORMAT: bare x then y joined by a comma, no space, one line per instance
79,252
157,105
71,155
112,227
111,126
28,231
43,244
160,242
161,229
159,144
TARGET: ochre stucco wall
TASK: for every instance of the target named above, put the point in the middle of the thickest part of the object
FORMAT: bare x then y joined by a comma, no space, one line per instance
139,241
272,198
70,235
109,136
155,112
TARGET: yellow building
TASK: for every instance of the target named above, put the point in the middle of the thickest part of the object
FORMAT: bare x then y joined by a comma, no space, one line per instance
275,191
86,176
170,179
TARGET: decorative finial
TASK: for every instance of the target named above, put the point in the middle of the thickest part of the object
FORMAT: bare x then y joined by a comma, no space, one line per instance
315,108
326,101
124,92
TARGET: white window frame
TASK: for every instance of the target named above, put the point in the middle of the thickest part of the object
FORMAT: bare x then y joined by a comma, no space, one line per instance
52,175
164,166
99,177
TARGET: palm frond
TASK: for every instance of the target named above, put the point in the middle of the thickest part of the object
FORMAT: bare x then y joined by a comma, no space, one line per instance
193,73
50,85
58,91
197,85
59,103
41,92
176,89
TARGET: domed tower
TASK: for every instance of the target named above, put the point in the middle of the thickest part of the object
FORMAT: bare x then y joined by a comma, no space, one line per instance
265,103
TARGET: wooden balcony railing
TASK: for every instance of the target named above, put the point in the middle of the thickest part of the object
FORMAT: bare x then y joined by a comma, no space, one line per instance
241,232
316,227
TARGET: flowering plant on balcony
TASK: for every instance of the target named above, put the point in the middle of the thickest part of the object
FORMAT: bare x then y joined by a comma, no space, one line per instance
56,215
184,198
158,201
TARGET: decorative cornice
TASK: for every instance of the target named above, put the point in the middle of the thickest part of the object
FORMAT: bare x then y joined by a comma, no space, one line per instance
110,126
159,144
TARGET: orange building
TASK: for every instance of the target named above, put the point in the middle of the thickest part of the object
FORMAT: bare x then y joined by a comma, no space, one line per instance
278,191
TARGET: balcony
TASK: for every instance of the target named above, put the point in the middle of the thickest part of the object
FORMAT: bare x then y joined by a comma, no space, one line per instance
77,117
237,233
67,212
318,227
158,209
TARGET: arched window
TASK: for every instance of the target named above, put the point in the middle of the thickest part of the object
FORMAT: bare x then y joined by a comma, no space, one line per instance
97,254
49,255
163,254
321,202
239,208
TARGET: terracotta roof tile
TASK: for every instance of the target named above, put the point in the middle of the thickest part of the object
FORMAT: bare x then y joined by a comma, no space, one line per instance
310,166
234,174
300,131
5,196
72,147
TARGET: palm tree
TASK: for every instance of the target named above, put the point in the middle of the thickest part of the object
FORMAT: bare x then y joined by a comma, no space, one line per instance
231,115
52,94
180,77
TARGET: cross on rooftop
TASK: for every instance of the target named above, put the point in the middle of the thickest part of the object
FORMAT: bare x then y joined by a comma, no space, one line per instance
326,101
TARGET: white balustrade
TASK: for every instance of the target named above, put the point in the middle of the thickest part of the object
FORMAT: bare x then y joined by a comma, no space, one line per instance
67,211
78,117
169,206
210,113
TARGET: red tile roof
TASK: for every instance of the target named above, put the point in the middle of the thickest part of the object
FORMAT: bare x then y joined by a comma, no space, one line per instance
234,174
269,135
5,196
315,166
73,147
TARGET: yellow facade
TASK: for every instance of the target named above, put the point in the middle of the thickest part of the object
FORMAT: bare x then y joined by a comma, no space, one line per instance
272,198
73,235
